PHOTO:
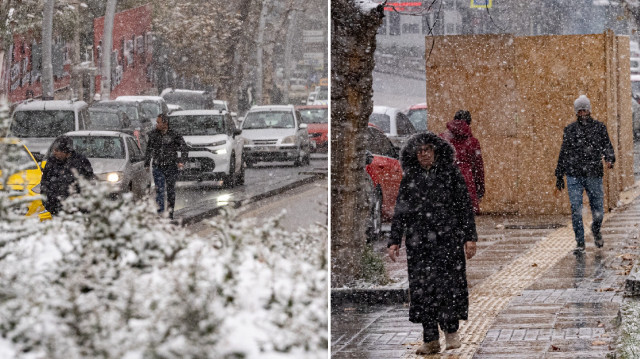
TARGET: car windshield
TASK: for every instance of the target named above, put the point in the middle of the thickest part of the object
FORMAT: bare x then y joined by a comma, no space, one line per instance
322,95
130,109
315,115
220,106
418,118
381,121
271,119
99,146
42,123
104,121
188,101
151,109
197,125
18,156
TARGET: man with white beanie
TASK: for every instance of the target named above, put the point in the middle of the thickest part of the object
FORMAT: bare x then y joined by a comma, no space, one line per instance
584,144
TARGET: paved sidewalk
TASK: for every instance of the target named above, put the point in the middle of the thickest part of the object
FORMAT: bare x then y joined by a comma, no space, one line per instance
530,296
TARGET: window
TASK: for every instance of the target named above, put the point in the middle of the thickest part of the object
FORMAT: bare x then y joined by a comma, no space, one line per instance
378,144
42,123
410,29
404,126
135,155
99,147
394,24
271,119
198,125
418,119
314,115
381,121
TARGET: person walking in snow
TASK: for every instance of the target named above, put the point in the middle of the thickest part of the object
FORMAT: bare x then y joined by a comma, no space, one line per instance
59,174
468,155
585,143
163,147
434,213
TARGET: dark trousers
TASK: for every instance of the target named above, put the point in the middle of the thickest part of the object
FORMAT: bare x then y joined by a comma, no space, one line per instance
430,328
165,178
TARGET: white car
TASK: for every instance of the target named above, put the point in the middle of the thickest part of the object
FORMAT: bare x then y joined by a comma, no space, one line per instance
635,65
275,133
215,146
393,123
115,158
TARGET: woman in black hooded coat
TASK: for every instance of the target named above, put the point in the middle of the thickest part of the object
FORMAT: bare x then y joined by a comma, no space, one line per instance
434,211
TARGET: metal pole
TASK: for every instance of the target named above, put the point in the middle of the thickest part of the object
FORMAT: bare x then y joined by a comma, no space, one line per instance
260,75
287,56
47,67
107,47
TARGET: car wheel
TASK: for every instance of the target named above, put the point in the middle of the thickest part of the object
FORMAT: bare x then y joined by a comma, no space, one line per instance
375,227
229,179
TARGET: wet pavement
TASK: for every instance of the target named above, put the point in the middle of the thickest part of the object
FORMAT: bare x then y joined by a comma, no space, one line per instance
530,296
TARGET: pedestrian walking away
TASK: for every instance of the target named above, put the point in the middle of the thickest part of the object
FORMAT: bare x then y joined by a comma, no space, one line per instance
162,153
434,213
585,143
59,174
468,155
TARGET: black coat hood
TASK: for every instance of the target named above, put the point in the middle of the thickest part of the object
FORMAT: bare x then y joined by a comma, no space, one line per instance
445,154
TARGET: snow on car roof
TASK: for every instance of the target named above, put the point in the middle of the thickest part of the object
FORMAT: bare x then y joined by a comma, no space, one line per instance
172,90
55,105
139,98
196,112
96,133
271,108
385,110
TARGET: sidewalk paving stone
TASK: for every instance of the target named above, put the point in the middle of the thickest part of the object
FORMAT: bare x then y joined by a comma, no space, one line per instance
530,297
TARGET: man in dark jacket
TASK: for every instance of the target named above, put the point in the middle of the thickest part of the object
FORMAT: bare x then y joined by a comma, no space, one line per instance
434,213
59,174
163,147
584,144
468,155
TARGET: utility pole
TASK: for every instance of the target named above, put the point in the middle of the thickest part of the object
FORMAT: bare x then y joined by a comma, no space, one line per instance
107,46
47,67
287,56
260,69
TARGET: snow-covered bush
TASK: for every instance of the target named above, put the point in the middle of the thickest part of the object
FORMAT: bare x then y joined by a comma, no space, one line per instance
111,279
629,338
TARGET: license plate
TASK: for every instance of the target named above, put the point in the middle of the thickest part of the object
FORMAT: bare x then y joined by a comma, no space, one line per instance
264,149
192,165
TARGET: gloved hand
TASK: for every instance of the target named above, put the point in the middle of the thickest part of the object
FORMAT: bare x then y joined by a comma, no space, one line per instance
559,183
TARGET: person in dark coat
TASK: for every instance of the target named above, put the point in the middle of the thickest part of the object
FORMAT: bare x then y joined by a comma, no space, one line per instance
585,143
59,174
163,147
468,155
434,212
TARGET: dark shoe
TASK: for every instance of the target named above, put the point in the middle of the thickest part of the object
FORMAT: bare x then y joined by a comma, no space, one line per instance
598,239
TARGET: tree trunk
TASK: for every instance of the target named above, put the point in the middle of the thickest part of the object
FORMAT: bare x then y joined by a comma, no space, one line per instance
47,67
353,42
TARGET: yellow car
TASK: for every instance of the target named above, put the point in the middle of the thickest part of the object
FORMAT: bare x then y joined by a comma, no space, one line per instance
30,177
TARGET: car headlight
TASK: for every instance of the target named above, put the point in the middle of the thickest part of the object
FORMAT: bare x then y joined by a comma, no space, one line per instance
221,151
111,177
289,139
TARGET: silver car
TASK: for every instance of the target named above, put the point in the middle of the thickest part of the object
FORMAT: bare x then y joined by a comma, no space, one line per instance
275,133
115,158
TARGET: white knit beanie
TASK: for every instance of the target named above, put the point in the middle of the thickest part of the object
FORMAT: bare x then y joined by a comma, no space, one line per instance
582,103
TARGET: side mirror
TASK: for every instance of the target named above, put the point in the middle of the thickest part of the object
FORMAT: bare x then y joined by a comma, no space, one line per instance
368,158
303,126
237,132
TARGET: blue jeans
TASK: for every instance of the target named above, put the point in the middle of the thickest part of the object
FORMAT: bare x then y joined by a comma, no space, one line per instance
162,177
576,186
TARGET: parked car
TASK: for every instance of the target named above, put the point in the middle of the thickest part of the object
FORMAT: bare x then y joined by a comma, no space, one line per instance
215,146
152,106
115,158
108,119
28,178
38,123
418,114
393,123
311,98
317,120
322,96
173,108
275,133
385,170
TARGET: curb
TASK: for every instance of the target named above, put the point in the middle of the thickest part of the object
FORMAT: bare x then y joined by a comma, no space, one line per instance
210,209
370,296
632,283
